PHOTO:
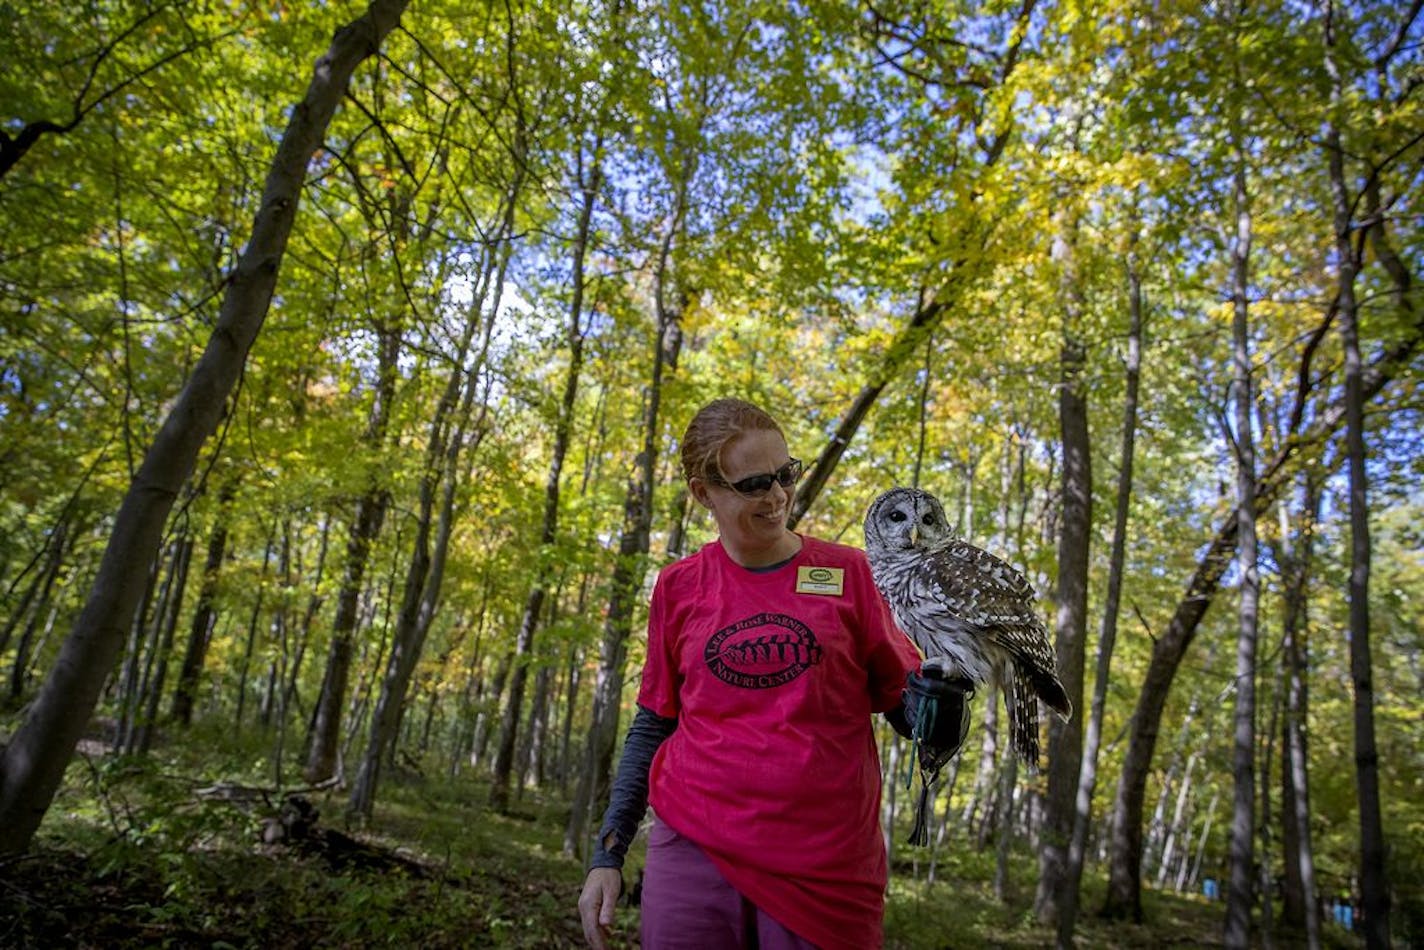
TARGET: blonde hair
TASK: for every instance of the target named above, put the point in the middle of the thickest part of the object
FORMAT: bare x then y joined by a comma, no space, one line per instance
712,428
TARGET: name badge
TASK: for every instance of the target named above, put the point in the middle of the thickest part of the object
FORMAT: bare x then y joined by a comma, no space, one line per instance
820,580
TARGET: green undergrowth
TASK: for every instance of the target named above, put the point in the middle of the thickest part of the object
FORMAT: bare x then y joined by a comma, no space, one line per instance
144,853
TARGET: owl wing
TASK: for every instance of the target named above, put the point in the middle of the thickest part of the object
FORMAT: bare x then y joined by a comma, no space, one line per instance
973,585
1010,620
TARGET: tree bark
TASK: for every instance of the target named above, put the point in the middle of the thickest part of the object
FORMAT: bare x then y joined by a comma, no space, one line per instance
34,761
1239,894
1301,909
1374,886
1065,739
205,615
592,788
32,607
324,734
425,574
1107,639
1124,894
590,182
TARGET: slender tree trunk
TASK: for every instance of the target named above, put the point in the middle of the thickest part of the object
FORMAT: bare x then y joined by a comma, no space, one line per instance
1265,861
980,816
529,767
1065,739
1157,830
128,678
488,715
33,607
592,789
1239,897
1175,828
1107,640
205,615
1301,911
1205,836
138,663
1374,885
153,689
590,183
425,574
246,668
324,738
33,762
1008,781
314,601
27,606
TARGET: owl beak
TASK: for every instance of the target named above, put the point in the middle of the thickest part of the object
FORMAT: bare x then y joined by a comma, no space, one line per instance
915,536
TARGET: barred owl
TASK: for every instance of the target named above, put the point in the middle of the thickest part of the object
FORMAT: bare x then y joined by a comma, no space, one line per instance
969,612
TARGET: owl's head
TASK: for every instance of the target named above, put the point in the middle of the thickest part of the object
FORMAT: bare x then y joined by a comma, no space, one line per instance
904,519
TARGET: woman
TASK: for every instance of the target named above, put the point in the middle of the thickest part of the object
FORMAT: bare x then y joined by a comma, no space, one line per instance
768,651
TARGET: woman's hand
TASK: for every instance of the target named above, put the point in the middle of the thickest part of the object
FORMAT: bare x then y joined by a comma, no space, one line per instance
596,904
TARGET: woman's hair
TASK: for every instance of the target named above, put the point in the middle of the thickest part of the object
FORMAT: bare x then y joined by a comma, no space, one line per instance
715,425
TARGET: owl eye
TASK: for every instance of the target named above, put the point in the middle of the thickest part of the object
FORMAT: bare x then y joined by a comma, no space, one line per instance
929,520
898,516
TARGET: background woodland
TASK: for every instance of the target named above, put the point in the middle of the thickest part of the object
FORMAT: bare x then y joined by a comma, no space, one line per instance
344,352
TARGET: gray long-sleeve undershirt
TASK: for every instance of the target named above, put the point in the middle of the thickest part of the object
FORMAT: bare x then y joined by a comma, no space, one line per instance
628,799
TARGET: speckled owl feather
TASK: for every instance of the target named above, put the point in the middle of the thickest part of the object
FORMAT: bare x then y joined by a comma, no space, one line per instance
969,612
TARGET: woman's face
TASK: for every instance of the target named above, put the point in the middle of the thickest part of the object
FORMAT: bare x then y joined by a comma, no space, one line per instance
753,529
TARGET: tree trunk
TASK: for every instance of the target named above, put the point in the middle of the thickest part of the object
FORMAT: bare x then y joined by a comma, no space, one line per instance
205,615
425,574
980,812
324,735
489,714
1374,886
33,762
1065,739
246,668
1239,895
1124,894
592,788
33,607
314,601
28,600
153,688
1157,830
590,183
1301,910
1195,873
1175,829
1107,640
1008,781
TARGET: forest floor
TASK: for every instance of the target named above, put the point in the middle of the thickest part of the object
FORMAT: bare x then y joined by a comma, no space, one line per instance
146,854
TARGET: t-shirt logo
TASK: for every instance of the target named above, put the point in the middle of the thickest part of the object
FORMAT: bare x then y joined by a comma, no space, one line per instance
762,652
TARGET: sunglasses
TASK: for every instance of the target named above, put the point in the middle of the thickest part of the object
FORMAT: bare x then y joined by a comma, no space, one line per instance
757,485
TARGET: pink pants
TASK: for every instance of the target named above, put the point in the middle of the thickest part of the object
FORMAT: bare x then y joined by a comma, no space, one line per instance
688,905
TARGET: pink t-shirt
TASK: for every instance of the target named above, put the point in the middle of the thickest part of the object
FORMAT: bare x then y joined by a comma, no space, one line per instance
773,769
